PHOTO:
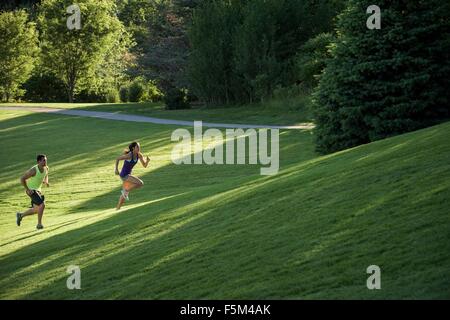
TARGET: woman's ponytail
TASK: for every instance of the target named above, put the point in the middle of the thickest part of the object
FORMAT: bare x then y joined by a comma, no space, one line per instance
130,148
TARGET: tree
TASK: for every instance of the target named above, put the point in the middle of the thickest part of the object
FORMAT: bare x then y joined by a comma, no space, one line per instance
268,41
211,58
78,57
160,31
243,50
384,82
11,5
255,45
18,52
311,60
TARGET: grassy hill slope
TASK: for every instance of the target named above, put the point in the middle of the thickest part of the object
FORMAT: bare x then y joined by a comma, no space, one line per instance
224,232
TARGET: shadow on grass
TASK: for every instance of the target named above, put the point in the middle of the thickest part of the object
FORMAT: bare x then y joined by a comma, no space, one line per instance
203,181
224,243
205,238
311,230
76,143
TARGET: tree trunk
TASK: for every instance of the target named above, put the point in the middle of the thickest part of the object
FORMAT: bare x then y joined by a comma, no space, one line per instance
71,90
71,82
71,96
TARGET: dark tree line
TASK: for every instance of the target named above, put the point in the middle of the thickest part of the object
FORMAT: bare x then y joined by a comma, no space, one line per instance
367,84
242,50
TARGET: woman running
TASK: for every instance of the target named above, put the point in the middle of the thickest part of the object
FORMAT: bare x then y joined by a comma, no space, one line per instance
130,157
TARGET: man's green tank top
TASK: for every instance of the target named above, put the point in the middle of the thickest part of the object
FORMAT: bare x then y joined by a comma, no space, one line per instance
35,183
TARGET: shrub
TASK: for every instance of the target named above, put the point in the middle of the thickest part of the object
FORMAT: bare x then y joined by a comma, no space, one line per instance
137,91
124,94
112,96
44,88
177,98
154,94
88,96
141,90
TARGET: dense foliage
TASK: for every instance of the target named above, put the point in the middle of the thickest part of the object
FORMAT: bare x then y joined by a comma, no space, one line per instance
367,84
385,82
242,50
18,52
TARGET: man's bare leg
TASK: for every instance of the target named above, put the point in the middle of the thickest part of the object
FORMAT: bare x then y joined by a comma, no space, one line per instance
40,214
29,211
21,215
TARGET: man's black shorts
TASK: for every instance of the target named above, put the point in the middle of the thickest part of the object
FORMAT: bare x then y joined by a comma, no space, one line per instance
37,198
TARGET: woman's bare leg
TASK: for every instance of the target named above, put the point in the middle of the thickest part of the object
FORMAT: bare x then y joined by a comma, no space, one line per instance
120,203
125,186
128,185
133,183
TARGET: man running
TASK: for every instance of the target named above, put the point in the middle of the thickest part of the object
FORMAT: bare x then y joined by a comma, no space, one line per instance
32,181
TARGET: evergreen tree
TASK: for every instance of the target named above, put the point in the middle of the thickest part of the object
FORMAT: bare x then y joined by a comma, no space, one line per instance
387,81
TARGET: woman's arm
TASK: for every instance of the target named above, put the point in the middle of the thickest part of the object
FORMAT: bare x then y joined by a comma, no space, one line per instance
123,157
144,163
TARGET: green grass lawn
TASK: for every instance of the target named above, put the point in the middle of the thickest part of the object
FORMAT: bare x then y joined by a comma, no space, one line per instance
294,112
223,232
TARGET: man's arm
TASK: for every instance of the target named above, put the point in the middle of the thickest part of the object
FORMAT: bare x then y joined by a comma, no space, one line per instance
23,180
46,178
